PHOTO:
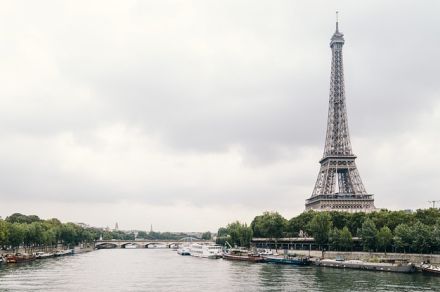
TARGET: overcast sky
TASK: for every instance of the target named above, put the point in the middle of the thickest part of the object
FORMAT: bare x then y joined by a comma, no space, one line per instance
188,115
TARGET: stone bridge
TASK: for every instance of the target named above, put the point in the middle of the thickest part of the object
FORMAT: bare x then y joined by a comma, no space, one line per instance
145,243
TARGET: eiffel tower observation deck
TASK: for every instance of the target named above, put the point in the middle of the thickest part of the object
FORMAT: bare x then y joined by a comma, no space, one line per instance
339,186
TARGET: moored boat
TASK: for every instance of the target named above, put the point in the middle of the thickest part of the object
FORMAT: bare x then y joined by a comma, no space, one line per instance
430,269
265,252
19,258
184,251
236,254
63,252
131,246
157,245
210,251
287,260
43,255
399,267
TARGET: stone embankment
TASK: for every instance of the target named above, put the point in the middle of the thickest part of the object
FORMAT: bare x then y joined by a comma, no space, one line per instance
365,256
77,249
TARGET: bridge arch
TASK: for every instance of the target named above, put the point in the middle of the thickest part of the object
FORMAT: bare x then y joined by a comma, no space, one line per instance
106,245
124,245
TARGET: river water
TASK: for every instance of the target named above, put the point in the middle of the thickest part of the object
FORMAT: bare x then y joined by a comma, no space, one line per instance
164,270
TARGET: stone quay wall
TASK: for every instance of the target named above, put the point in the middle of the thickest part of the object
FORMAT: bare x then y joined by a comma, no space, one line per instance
411,257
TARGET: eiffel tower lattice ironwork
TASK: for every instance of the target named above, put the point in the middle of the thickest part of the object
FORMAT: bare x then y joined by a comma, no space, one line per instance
339,186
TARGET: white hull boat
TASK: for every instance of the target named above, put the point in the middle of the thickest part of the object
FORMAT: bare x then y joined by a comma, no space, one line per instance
209,251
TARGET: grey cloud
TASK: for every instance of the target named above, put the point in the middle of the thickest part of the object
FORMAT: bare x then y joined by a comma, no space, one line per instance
204,78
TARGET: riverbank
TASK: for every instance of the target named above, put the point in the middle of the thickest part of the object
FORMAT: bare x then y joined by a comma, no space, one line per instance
52,249
369,256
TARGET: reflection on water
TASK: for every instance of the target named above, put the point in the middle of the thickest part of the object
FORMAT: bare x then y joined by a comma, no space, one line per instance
164,270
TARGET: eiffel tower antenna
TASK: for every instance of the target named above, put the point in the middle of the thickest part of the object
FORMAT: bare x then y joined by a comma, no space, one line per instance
338,186
337,21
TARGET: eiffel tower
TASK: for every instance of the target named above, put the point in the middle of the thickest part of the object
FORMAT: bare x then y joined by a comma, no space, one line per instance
339,186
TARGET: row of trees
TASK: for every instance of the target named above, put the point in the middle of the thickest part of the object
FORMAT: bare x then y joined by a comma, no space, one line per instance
31,231
421,233
236,234
382,230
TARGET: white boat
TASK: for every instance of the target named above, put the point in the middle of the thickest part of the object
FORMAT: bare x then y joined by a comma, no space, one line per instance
210,251
265,252
157,245
184,250
43,255
400,267
131,246
63,252
430,269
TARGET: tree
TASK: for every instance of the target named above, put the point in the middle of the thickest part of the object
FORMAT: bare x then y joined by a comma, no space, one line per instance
320,227
20,218
355,223
398,217
345,239
142,234
421,234
222,236
384,238
269,225
368,234
50,237
340,219
428,216
206,235
16,234
3,233
300,223
35,232
403,237
341,239
436,236
239,234
333,238
68,234
222,231
107,235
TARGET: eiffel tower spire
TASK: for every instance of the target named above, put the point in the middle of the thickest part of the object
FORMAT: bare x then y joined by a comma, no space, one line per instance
339,185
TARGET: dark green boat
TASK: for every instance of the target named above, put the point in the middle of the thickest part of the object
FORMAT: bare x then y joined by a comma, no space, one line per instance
287,260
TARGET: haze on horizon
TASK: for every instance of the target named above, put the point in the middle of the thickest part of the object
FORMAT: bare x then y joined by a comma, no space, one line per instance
191,114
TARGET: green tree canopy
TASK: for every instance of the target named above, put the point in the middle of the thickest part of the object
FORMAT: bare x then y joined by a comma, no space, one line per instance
384,238
239,234
320,227
345,239
269,225
16,234
422,237
403,237
368,234
300,223
4,233
206,235
20,218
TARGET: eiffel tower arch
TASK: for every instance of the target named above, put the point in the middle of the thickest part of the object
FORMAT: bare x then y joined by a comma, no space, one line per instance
339,186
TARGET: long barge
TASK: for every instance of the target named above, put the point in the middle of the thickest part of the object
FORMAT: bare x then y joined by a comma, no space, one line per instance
242,255
287,260
399,267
